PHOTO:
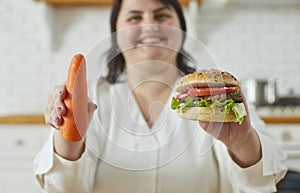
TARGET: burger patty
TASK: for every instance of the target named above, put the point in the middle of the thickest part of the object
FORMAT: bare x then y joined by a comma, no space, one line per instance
221,97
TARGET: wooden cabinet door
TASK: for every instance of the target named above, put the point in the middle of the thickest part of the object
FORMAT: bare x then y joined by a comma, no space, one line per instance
18,146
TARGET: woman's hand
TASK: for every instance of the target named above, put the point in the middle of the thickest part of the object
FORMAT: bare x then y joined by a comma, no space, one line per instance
241,139
56,109
54,116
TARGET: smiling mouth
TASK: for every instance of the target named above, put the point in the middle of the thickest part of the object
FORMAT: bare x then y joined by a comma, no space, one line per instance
151,40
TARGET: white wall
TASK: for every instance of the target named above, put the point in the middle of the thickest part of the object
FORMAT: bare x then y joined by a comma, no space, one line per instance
36,45
37,42
262,41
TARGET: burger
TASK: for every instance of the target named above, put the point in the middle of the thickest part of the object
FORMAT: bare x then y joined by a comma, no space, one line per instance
209,96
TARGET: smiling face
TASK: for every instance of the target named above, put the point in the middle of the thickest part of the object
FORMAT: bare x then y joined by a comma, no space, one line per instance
148,30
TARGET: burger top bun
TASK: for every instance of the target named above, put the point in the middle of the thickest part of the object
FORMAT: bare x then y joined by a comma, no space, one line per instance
206,78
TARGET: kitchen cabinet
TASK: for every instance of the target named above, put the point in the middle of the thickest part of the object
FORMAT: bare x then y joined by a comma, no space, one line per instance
288,137
287,134
94,2
23,119
18,146
78,2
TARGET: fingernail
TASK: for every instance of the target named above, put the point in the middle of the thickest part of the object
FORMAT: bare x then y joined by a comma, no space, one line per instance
91,107
56,119
59,109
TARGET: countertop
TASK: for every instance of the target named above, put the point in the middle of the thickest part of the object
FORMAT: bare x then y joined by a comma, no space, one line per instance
39,119
281,120
22,119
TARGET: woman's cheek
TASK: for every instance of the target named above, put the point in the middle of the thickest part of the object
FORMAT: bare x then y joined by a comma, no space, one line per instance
174,37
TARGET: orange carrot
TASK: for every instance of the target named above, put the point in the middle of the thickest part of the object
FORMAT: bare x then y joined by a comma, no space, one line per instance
75,121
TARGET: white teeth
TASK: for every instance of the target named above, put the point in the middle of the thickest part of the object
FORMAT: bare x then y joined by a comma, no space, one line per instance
150,40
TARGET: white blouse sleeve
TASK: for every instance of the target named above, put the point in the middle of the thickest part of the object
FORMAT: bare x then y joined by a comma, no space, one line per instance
263,176
56,174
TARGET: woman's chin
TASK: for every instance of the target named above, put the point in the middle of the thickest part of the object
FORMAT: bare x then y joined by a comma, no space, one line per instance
151,66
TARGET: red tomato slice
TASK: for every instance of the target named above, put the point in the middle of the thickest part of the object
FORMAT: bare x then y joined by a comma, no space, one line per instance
210,91
181,96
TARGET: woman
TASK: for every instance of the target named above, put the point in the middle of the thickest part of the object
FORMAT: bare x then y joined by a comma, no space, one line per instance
144,146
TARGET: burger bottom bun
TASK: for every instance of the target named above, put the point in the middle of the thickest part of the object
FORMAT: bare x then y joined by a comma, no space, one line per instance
206,114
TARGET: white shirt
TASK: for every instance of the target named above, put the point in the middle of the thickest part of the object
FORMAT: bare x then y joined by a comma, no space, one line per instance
124,155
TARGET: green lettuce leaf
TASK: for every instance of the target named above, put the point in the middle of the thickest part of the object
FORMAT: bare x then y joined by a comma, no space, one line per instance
237,108
239,112
229,105
175,103
202,103
188,102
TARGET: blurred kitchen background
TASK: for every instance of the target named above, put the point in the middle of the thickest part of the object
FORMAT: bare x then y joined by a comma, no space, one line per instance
256,40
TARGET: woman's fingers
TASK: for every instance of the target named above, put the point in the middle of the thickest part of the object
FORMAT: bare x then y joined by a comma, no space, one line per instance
204,125
91,107
60,92
55,107
213,128
59,107
56,120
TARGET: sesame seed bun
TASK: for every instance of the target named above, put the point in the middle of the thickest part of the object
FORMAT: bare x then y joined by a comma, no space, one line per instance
211,78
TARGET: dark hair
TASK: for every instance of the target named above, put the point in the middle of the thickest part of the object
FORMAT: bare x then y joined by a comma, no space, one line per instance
116,61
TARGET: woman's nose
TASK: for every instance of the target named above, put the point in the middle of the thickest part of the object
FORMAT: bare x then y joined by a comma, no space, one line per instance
149,24
150,27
